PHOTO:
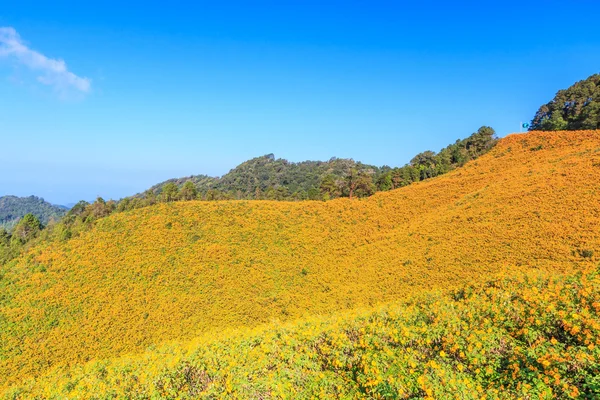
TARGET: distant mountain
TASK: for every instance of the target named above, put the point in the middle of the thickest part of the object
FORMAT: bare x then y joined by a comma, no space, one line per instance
274,178
13,208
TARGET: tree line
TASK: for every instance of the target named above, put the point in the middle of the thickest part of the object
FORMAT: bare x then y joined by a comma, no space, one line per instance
267,178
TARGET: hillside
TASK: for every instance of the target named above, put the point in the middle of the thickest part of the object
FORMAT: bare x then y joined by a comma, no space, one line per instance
13,208
273,178
531,336
175,271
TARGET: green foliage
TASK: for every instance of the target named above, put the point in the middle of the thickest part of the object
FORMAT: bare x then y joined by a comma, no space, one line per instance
13,208
26,229
384,182
429,164
358,183
169,192
29,230
188,191
575,108
586,253
271,178
4,236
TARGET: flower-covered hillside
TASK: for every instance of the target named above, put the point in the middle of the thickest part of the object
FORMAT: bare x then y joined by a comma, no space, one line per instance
528,336
174,271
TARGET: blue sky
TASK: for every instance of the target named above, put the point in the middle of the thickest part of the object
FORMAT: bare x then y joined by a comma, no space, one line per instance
148,92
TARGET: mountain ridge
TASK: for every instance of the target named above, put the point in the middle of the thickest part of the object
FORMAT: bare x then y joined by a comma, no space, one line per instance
13,208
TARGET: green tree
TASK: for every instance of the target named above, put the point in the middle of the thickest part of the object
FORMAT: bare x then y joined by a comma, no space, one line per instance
555,122
188,191
364,186
314,194
170,192
574,108
384,182
329,188
359,184
481,141
425,159
27,228
100,208
4,237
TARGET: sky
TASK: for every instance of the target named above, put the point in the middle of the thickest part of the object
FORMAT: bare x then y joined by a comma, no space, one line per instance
105,99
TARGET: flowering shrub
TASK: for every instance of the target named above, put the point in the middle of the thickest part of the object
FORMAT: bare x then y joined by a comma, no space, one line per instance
173,272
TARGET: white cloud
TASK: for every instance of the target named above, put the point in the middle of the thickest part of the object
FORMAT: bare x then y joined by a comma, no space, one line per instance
53,72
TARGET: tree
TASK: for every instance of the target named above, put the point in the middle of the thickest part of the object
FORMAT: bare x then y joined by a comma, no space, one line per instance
4,237
481,141
314,194
188,191
384,182
577,107
170,192
351,181
78,209
425,159
329,188
364,186
555,122
359,183
100,208
27,228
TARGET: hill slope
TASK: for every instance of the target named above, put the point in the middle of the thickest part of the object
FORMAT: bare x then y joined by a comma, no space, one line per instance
174,271
530,336
13,208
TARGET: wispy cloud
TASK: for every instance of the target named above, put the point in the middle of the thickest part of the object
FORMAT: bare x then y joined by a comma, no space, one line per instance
53,72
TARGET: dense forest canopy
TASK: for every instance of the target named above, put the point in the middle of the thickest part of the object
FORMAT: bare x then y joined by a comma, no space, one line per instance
273,178
575,108
13,208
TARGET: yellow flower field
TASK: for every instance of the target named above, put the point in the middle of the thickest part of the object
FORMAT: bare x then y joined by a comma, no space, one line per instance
529,336
174,272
